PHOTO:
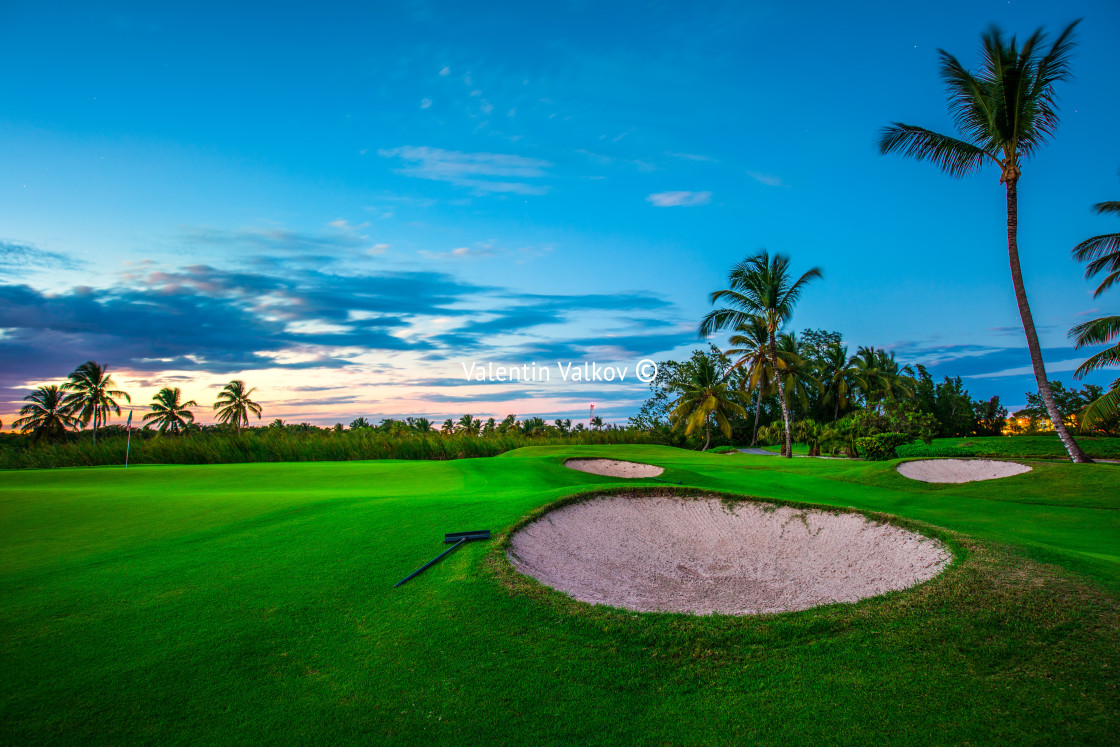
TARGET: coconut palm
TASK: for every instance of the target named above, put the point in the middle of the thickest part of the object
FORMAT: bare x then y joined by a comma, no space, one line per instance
751,344
705,395
233,406
169,414
878,377
812,434
91,397
1101,252
795,371
469,425
760,286
1099,332
837,375
1103,255
1005,113
47,414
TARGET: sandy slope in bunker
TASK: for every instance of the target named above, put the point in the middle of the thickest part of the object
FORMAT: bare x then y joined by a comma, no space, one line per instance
700,555
960,470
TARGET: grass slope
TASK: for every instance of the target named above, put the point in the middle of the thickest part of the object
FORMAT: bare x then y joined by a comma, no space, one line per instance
236,603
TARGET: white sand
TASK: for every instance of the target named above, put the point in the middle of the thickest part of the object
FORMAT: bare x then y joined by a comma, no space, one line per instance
614,468
960,470
700,556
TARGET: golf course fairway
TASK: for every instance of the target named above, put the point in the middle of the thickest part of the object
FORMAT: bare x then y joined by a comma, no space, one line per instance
255,603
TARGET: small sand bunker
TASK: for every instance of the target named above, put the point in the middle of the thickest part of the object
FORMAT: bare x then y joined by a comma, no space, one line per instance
960,470
662,553
614,468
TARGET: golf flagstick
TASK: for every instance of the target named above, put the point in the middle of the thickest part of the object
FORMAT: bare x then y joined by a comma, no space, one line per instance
128,446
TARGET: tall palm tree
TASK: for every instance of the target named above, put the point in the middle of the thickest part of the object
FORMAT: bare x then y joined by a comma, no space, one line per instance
91,397
169,414
705,395
795,373
878,377
1005,113
761,286
838,376
233,405
751,344
47,415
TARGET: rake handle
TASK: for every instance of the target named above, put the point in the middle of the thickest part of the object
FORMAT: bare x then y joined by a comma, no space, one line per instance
431,562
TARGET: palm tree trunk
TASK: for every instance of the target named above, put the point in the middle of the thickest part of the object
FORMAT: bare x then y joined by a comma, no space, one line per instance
757,413
781,395
707,434
1075,452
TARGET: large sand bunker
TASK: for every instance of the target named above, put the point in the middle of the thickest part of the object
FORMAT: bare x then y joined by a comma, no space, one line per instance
960,470
614,468
663,553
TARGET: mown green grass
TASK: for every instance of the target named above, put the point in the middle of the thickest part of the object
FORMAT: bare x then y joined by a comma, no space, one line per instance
1039,446
248,603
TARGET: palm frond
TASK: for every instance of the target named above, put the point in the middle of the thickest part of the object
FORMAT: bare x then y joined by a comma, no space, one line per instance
955,157
1107,207
1095,332
1104,407
1107,358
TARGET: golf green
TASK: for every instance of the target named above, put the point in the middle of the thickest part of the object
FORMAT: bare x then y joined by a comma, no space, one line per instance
255,602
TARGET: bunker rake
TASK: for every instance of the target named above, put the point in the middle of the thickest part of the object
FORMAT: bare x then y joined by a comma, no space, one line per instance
458,539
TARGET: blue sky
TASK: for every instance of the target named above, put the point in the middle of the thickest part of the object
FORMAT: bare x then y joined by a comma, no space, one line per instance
343,203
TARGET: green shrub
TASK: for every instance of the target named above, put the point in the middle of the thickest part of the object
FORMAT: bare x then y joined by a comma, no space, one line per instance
882,446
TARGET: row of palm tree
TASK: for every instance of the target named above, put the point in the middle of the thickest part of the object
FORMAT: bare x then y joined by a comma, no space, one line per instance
88,398
761,298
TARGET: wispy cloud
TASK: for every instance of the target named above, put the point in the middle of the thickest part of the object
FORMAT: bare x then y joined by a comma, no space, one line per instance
482,172
462,252
691,157
340,238
679,199
15,257
768,179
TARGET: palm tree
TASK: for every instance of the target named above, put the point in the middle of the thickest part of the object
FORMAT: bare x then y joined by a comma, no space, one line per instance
1098,332
91,397
169,414
752,346
705,395
48,414
838,376
813,434
469,425
1005,112
1103,254
761,286
795,372
878,377
233,406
